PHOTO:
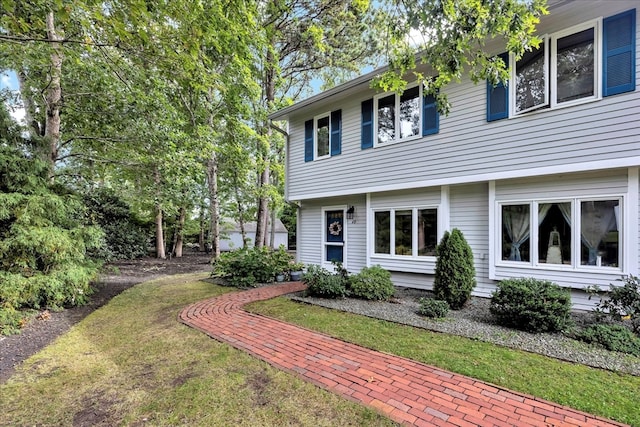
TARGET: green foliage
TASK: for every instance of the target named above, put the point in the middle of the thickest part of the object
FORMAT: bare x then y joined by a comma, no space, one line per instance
322,283
458,31
372,283
125,236
532,305
43,242
623,302
248,267
614,337
433,308
455,273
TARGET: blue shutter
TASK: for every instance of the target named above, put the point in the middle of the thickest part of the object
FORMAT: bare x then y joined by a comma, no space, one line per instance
308,140
430,116
336,132
366,138
498,97
619,63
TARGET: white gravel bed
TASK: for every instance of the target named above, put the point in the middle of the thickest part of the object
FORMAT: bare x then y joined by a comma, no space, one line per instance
476,322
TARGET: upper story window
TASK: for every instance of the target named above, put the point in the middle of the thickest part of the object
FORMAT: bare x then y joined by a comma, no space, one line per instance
583,63
562,70
392,118
398,117
323,136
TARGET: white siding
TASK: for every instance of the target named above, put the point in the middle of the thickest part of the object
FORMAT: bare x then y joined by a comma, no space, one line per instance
601,132
470,214
591,149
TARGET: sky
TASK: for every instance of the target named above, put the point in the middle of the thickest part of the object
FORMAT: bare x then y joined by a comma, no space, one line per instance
8,80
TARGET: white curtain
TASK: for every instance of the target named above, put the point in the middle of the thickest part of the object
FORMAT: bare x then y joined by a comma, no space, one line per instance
516,222
596,220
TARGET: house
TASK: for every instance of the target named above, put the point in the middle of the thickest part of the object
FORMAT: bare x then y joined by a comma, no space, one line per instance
541,175
231,234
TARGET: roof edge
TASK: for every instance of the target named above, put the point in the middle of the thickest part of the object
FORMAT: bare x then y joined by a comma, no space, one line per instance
284,112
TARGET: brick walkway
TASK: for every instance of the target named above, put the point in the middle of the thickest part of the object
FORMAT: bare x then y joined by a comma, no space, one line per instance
406,391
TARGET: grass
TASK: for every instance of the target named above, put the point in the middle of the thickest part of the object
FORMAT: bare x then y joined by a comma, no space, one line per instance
608,394
131,363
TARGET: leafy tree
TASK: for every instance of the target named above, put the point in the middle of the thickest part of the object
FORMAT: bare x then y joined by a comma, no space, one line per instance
303,40
455,37
43,240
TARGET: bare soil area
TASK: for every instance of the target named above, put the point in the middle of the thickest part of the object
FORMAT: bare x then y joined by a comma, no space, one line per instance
116,277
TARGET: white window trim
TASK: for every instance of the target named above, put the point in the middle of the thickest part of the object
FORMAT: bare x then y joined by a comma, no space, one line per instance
575,231
596,24
315,136
512,88
414,232
323,244
550,71
397,119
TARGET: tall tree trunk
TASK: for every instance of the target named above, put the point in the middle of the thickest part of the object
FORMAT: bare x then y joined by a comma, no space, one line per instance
243,231
201,241
53,94
159,233
160,253
25,94
272,237
180,233
263,151
214,204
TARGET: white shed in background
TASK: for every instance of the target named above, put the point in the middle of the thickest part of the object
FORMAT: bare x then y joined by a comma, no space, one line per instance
231,236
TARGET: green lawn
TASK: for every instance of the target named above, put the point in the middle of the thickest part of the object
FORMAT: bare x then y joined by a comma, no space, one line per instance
600,392
131,363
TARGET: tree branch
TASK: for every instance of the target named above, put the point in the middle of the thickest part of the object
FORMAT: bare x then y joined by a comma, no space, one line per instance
19,39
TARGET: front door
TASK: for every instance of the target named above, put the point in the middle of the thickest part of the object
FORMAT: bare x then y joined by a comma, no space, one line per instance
334,233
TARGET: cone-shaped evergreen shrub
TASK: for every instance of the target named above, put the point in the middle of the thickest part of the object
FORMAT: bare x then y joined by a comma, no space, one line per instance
455,273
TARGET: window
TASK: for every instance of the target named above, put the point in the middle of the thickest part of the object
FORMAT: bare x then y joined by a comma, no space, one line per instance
573,233
398,117
562,70
322,136
406,232
566,68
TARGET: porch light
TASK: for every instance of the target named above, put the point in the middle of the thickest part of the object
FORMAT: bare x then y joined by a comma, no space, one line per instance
351,212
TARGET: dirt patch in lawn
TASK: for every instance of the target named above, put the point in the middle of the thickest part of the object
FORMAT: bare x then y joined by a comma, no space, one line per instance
117,277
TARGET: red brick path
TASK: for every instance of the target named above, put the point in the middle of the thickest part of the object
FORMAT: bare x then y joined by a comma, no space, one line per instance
406,391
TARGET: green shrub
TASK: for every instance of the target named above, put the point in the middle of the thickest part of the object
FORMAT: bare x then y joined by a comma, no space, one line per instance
612,337
322,283
250,266
623,302
372,283
433,308
125,236
44,241
455,275
531,305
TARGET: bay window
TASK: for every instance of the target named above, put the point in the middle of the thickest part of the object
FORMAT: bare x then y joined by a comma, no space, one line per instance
570,233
